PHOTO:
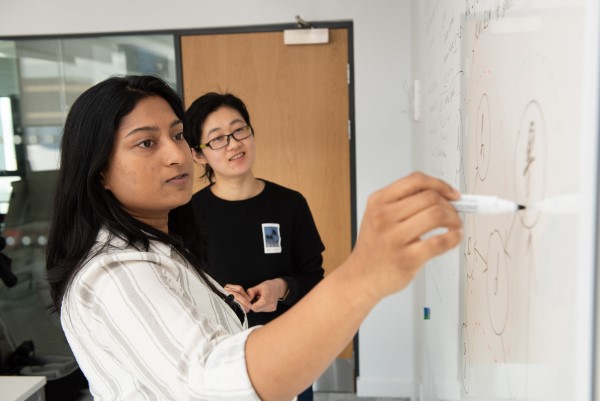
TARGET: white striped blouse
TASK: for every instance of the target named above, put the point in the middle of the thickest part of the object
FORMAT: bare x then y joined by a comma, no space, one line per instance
145,326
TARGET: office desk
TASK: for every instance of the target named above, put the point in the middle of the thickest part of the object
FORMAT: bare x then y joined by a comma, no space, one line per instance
22,388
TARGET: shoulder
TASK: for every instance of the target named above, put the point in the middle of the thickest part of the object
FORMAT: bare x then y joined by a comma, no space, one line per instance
118,275
202,194
203,203
113,257
274,189
110,244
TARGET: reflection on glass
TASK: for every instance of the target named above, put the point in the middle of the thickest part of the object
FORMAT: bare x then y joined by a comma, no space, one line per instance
41,79
54,72
8,157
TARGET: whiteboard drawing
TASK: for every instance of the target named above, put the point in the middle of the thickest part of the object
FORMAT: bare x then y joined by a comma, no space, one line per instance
502,115
509,142
530,161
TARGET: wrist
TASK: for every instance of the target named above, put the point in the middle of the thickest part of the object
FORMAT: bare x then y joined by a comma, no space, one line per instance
286,290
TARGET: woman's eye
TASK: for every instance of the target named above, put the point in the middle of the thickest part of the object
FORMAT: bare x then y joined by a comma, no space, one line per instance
218,140
179,137
146,144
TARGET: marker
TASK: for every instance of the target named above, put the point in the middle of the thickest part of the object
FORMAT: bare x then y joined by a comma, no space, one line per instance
485,204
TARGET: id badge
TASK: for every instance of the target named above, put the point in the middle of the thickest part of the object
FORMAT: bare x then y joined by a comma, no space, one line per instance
271,237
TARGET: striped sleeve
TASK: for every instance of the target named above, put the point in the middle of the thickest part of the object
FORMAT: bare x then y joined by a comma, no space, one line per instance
138,332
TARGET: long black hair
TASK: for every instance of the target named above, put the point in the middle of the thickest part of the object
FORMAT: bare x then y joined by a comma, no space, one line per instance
82,206
199,111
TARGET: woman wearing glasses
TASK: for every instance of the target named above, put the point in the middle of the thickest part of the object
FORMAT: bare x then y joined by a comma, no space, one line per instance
141,315
263,244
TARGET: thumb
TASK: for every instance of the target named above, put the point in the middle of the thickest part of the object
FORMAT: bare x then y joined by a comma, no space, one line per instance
253,292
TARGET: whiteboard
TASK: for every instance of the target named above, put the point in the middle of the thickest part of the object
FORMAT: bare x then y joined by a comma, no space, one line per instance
504,94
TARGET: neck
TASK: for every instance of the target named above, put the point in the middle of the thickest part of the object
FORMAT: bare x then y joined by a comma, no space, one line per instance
237,188
160,223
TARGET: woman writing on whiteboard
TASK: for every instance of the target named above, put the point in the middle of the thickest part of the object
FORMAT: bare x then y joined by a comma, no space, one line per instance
277,257
143,318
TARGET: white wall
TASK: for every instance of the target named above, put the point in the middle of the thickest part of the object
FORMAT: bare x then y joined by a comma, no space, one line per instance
383,140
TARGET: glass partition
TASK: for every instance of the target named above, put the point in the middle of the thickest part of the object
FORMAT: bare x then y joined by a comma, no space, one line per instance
39,81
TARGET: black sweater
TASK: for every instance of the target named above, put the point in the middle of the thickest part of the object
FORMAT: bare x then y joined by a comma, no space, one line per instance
270,235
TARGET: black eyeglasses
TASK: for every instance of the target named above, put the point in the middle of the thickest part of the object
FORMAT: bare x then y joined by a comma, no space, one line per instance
223,140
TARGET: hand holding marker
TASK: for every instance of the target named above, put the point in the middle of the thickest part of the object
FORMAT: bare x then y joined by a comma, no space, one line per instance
559,204
480,204
485,204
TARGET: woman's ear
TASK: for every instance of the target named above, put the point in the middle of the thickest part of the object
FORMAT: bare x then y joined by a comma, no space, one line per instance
103,181
199,157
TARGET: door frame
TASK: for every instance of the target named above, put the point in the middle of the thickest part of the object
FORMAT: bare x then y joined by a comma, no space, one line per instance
349,25
280,27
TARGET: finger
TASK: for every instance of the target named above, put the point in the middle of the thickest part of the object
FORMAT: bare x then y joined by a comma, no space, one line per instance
413,204
243,301
264,306
412,184
253,292
415,255
258,306
421,251
240,297
234,288
432,218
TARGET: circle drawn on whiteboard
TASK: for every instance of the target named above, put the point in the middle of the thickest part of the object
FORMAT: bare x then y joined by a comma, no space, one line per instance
530,162
497,283
483,137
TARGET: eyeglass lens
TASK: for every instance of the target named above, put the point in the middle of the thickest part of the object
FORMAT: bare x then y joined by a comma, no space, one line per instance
223,140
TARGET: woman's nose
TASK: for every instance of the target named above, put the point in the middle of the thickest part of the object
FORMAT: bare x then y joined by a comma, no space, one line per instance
175,153
233,143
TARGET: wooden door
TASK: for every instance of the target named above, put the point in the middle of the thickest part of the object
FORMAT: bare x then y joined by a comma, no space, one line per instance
298,100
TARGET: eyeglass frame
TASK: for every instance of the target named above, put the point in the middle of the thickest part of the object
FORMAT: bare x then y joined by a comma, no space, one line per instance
228,136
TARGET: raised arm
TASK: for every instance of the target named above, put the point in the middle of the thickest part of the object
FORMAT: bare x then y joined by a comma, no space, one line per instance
388,253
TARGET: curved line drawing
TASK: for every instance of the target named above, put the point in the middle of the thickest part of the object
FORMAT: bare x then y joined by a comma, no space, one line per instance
451,84
530,161
497,283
